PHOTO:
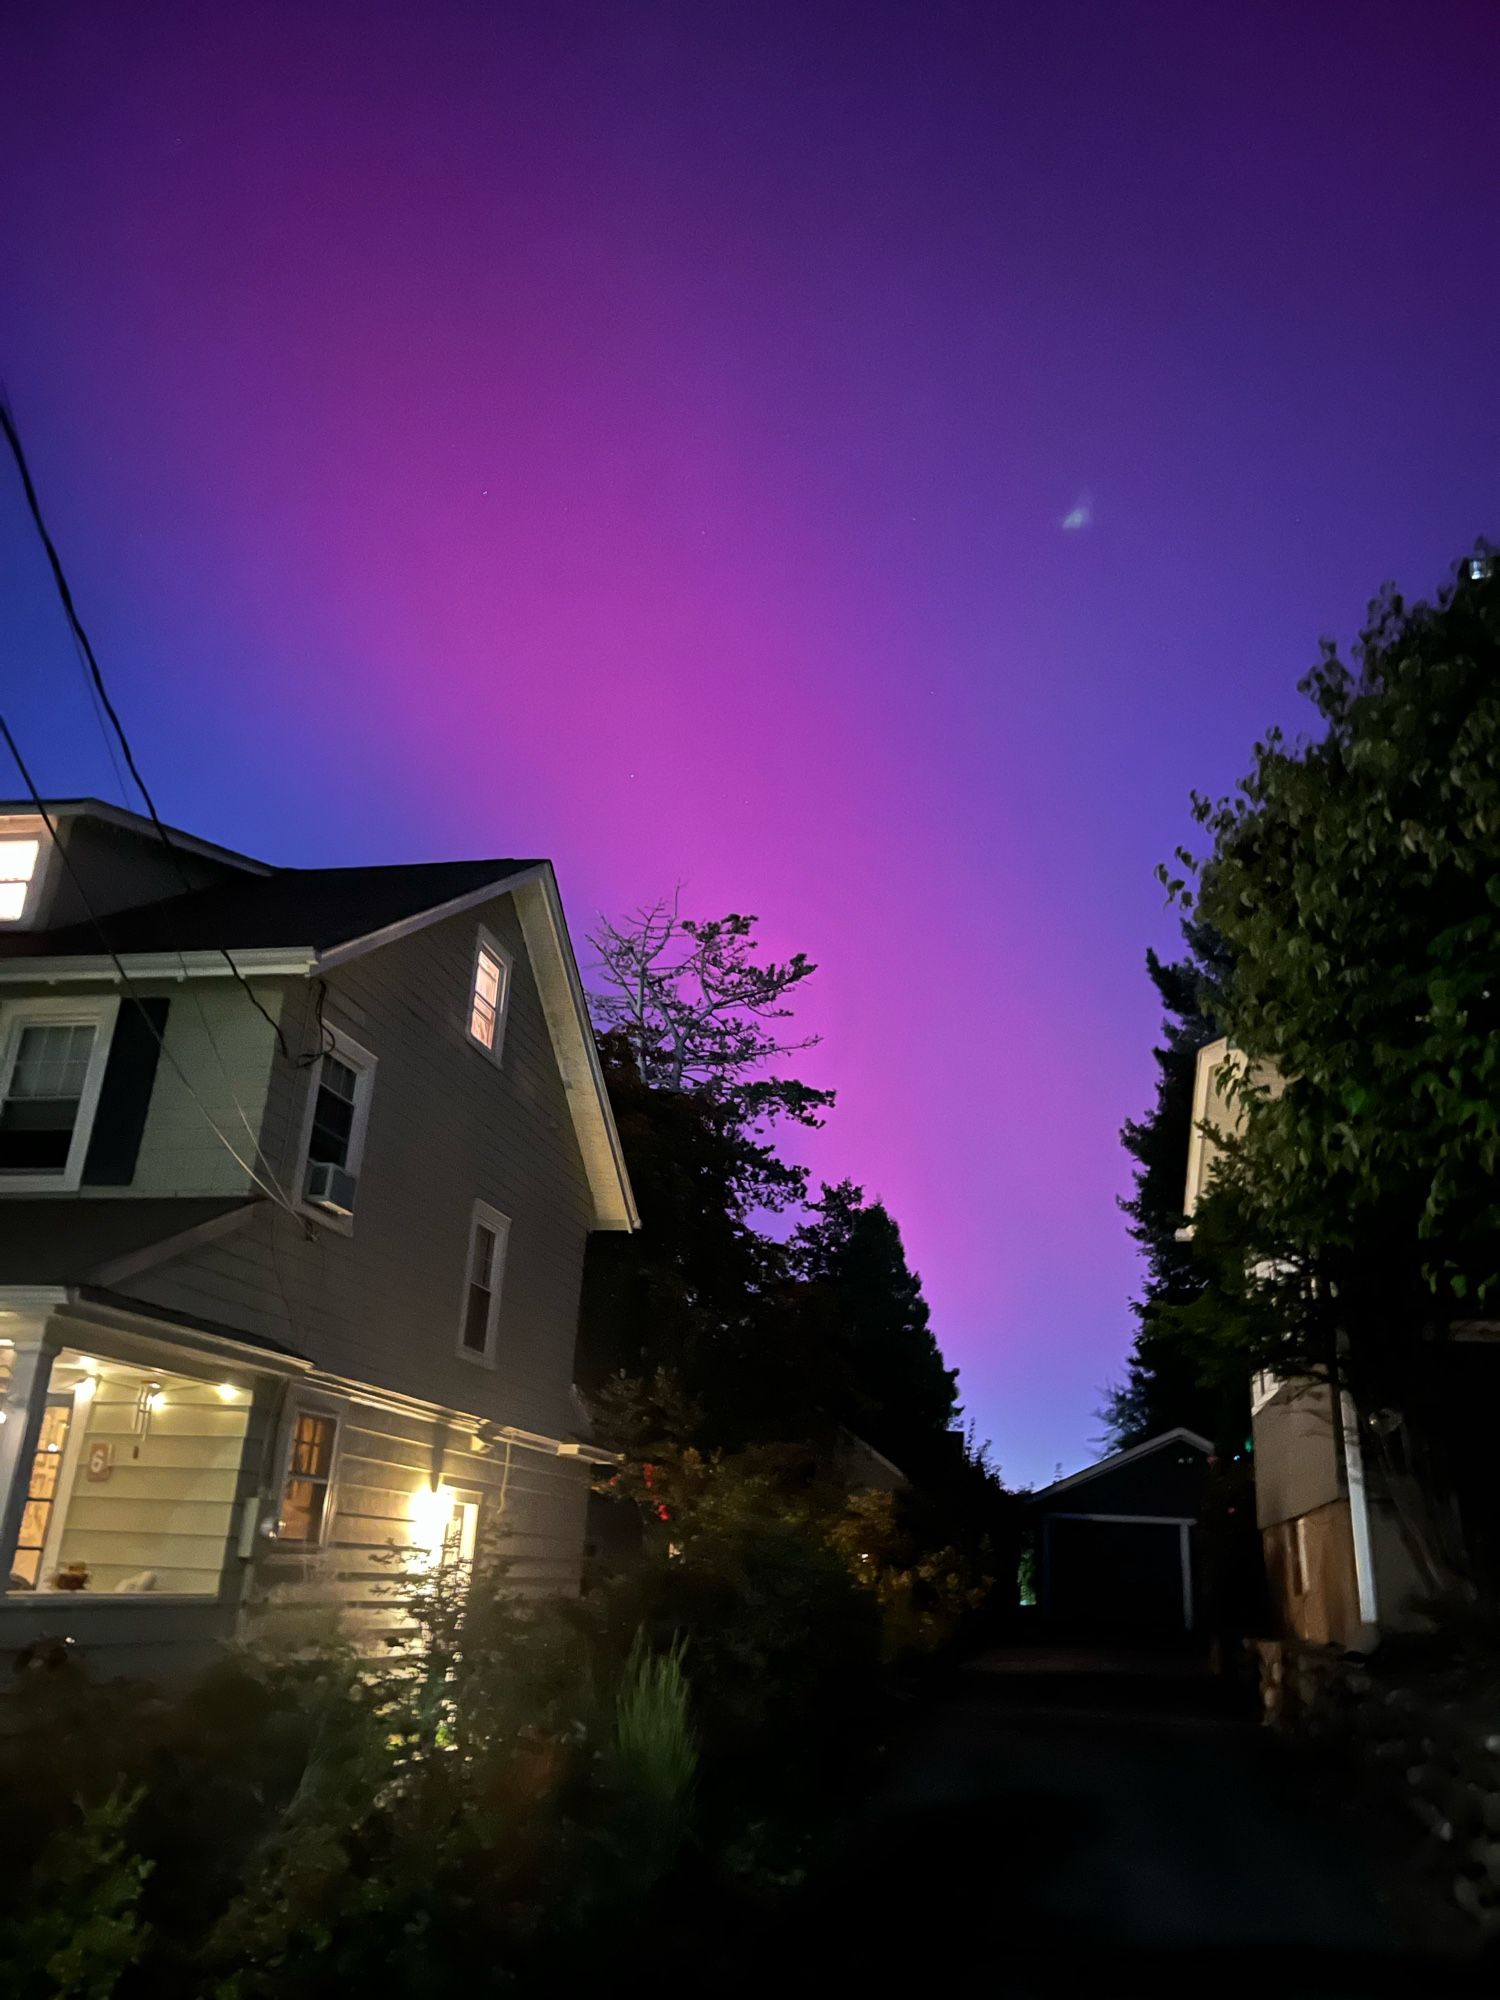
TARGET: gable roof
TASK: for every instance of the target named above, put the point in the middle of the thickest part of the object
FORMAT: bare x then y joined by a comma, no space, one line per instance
312,919
1181,1435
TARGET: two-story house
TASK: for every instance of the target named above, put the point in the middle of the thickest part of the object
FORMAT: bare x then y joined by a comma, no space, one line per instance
297,1168
1338,1570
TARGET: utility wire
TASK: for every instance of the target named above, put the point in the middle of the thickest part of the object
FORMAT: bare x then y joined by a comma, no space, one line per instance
96,680
60,848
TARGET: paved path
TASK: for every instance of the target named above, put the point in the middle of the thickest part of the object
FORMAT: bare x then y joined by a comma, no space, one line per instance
1068,1818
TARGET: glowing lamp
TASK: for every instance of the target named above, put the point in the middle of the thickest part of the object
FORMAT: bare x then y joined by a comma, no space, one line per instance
431,1511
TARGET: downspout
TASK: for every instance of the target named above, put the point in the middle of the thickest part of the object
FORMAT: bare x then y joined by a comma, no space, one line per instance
1359,1513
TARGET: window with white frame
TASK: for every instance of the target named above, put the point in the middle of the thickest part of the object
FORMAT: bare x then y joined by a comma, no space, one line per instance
489,1234
24,845
338,1111
303,1519
52,1056
489,995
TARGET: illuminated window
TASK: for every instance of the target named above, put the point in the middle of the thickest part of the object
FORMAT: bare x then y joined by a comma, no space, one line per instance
51,1068
489,1233
309,1473
18,869
490,995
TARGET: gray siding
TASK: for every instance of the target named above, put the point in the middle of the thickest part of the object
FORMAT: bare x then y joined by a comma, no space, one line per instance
531,1513
447,1127
216,1064
1297,1465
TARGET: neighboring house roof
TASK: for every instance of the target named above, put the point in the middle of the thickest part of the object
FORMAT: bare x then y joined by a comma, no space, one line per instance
316,909
1181,1435
50,1241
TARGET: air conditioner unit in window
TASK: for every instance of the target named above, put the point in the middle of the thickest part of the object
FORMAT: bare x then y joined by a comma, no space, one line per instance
330,1187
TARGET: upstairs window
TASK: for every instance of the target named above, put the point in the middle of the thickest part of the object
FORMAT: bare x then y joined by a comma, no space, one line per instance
334,1108
51,1068
20,859
338,1111
489,1234
489,995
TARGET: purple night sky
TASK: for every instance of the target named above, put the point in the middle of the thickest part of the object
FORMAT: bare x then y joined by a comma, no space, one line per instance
643,434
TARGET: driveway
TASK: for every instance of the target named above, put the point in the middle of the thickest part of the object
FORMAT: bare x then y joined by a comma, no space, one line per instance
1069,1818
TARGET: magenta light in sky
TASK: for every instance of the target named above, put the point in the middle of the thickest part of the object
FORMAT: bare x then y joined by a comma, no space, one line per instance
642,435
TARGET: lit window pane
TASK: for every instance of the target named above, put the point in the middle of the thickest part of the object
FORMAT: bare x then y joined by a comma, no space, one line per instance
18,859
12,901
304,1499
488,997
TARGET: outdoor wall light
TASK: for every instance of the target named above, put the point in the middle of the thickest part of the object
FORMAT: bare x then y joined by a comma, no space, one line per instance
431,1511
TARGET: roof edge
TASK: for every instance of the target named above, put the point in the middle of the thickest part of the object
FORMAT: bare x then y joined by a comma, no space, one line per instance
1127,1457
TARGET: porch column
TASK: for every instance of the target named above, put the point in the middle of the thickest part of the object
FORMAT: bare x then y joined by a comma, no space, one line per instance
1185,1557
25,1402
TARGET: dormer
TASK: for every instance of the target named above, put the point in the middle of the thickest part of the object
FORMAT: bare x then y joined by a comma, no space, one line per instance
94,860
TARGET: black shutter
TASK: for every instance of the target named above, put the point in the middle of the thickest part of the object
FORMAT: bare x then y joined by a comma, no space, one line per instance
126,1095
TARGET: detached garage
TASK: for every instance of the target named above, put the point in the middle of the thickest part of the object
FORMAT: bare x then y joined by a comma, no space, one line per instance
1115,1543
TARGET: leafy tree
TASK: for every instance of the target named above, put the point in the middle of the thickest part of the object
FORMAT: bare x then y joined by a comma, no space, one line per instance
698,1011
1354,880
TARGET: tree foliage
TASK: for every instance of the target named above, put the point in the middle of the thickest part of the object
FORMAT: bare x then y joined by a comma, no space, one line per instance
1165,1385
1354,881
698,1010
850,1257
736,1337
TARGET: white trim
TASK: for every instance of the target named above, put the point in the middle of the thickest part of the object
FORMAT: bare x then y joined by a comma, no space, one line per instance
1359,1512
259,963
499,1228
472,899
100,1015
346,1050
154,1336
487,944
1211,1058
539,906
1185,1558
1127,1457
1265,1387
1135,1520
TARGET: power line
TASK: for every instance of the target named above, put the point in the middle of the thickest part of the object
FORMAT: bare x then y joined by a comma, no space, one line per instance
96,682
60,848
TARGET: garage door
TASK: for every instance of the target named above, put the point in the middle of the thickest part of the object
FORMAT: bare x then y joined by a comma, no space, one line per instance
1115,1576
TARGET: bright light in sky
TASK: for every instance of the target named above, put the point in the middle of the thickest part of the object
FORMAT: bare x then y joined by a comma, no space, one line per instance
1081,514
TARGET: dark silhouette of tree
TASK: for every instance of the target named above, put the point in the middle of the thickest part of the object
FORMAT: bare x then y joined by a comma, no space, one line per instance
851,1259
1165,1383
